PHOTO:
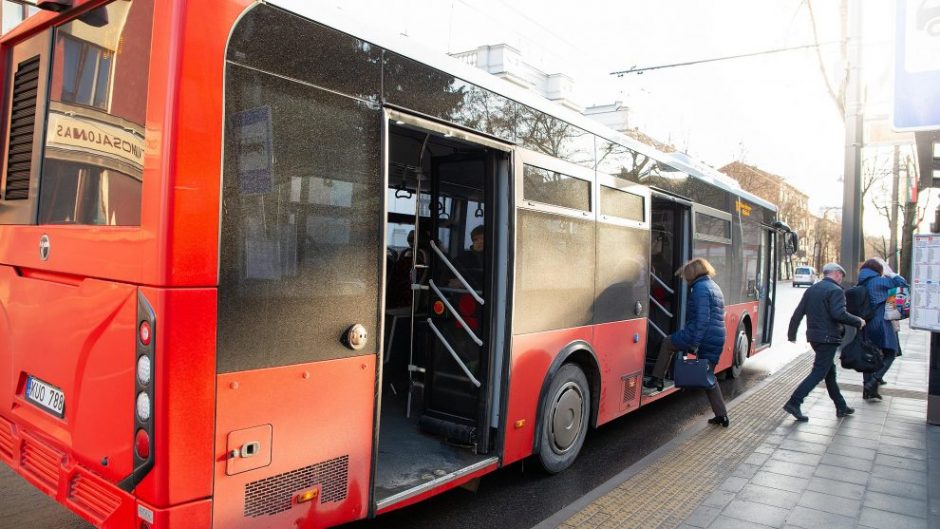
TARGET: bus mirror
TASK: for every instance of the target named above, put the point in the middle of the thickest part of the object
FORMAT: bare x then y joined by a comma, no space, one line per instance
791,243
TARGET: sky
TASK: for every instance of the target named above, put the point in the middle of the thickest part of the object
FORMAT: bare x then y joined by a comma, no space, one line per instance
771,111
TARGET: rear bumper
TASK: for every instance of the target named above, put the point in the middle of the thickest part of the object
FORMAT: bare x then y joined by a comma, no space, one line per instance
92,498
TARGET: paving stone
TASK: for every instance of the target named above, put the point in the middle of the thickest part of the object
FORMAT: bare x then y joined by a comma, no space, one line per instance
802,446
829,503
756,513
810,437
861,433
702,516
852,451
726,522
788,469
889,520
902,451
820,429
769,496
837,488
844,440
796,457
779,481
896,504
757,459
745,470
899,474
719,499
734,484
897,488
842,474
909,442
899,462
854,463
812,519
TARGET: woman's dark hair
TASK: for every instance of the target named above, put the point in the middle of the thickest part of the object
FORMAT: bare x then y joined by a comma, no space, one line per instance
476,231
874,265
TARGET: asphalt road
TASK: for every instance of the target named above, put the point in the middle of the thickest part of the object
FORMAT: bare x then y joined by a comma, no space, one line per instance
520,495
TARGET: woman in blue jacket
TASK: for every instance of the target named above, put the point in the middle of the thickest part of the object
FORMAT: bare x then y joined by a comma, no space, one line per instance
704,332
878,280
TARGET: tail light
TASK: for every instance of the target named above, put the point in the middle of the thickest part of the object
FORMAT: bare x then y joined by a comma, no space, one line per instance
145,346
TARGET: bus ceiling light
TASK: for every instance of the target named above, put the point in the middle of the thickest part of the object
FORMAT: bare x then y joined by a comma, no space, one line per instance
144,332
54,5
143,406
144,369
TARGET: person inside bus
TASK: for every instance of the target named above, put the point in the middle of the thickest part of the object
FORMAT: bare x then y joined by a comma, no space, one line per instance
704,332
398,293
471,262
878,278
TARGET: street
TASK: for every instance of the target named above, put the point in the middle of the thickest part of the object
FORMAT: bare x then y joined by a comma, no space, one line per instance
520,495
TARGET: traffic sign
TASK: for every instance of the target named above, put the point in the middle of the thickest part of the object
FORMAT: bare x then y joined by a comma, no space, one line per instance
917,65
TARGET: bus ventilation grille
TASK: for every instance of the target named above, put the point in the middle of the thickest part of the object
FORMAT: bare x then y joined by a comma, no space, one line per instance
6,439
92,498
276,494
22,124
631,384
41,463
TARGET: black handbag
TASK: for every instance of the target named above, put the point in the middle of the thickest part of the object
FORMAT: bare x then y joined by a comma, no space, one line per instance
859,353
691,373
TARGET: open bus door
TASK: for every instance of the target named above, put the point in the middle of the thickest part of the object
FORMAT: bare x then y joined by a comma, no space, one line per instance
766,284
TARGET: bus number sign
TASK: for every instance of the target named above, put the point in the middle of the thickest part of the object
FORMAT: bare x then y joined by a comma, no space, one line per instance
45,396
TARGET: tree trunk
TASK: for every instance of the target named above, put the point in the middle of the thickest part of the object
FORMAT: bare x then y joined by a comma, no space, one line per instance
907,238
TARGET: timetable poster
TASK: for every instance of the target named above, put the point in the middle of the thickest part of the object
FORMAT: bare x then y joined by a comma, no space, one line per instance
925,283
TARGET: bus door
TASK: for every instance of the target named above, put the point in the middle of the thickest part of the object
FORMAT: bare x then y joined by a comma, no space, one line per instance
670,247
766,284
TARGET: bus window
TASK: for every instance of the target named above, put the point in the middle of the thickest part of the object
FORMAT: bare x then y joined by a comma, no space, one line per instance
93,161
551,187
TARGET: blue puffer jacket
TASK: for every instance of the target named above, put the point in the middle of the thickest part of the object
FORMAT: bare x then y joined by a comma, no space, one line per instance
705,321
879,330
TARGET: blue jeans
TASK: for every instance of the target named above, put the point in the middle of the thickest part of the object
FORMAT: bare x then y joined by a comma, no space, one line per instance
888,355
823,369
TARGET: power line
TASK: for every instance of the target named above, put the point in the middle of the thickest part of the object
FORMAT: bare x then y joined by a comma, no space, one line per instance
689,63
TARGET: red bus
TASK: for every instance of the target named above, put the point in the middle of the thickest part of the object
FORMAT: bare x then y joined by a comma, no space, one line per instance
260,267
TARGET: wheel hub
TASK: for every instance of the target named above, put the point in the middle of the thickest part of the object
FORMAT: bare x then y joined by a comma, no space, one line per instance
567,415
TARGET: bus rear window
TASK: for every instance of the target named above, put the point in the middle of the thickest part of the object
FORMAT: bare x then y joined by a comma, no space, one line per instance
92,170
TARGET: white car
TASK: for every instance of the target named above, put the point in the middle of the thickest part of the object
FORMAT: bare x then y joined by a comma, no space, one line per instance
804,275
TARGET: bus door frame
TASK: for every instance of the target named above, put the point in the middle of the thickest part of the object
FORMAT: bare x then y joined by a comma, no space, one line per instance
685,246
504,243
769,270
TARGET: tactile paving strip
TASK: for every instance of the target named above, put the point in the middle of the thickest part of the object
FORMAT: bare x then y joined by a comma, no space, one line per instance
664,493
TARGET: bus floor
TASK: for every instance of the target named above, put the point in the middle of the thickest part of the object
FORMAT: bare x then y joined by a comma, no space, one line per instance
409,458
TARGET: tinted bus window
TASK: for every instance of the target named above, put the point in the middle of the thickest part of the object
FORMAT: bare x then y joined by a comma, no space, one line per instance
622,272
622,204
94,152
552,187
709,226
555,274
301,210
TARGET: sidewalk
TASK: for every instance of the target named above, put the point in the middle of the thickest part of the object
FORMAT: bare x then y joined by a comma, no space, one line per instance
879,468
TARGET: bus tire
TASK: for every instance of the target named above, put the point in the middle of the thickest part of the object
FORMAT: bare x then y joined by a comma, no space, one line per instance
742,344
565,418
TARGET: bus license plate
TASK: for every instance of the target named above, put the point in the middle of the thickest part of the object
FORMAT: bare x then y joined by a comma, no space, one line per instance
45,396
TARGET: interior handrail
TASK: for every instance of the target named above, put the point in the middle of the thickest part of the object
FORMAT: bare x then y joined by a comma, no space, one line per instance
662,283
662,308
656,328
453,353
456,314
456,273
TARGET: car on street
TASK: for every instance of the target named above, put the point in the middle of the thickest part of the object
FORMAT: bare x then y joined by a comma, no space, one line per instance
804,276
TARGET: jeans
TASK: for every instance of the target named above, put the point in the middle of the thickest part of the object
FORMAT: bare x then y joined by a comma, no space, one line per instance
823,369
888,355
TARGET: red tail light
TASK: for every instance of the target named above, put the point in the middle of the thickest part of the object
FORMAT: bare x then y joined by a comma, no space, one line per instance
142,443
144,332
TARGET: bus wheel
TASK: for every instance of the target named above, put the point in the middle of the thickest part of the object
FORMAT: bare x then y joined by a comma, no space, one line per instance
741,346
565,416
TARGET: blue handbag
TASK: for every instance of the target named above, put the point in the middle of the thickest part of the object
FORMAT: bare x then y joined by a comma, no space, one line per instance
691,373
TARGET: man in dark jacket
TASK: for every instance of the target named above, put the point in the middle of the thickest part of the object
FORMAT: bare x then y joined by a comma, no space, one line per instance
823,304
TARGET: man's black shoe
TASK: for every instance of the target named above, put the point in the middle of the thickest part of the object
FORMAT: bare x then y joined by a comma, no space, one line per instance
866,394
845,411
873,394
881,381
794,410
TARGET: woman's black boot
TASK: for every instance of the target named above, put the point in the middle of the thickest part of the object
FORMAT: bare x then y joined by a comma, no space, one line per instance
720,419
654,383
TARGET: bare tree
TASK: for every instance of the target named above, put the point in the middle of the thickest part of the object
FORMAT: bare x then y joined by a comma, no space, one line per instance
835,87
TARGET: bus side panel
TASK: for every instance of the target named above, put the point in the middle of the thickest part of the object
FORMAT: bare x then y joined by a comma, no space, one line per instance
621,353
532,355
733,316
313,426
184,396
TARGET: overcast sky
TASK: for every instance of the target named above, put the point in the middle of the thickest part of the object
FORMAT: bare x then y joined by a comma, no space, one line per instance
773,110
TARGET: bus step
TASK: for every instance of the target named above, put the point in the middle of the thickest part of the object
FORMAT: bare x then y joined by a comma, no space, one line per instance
457,433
